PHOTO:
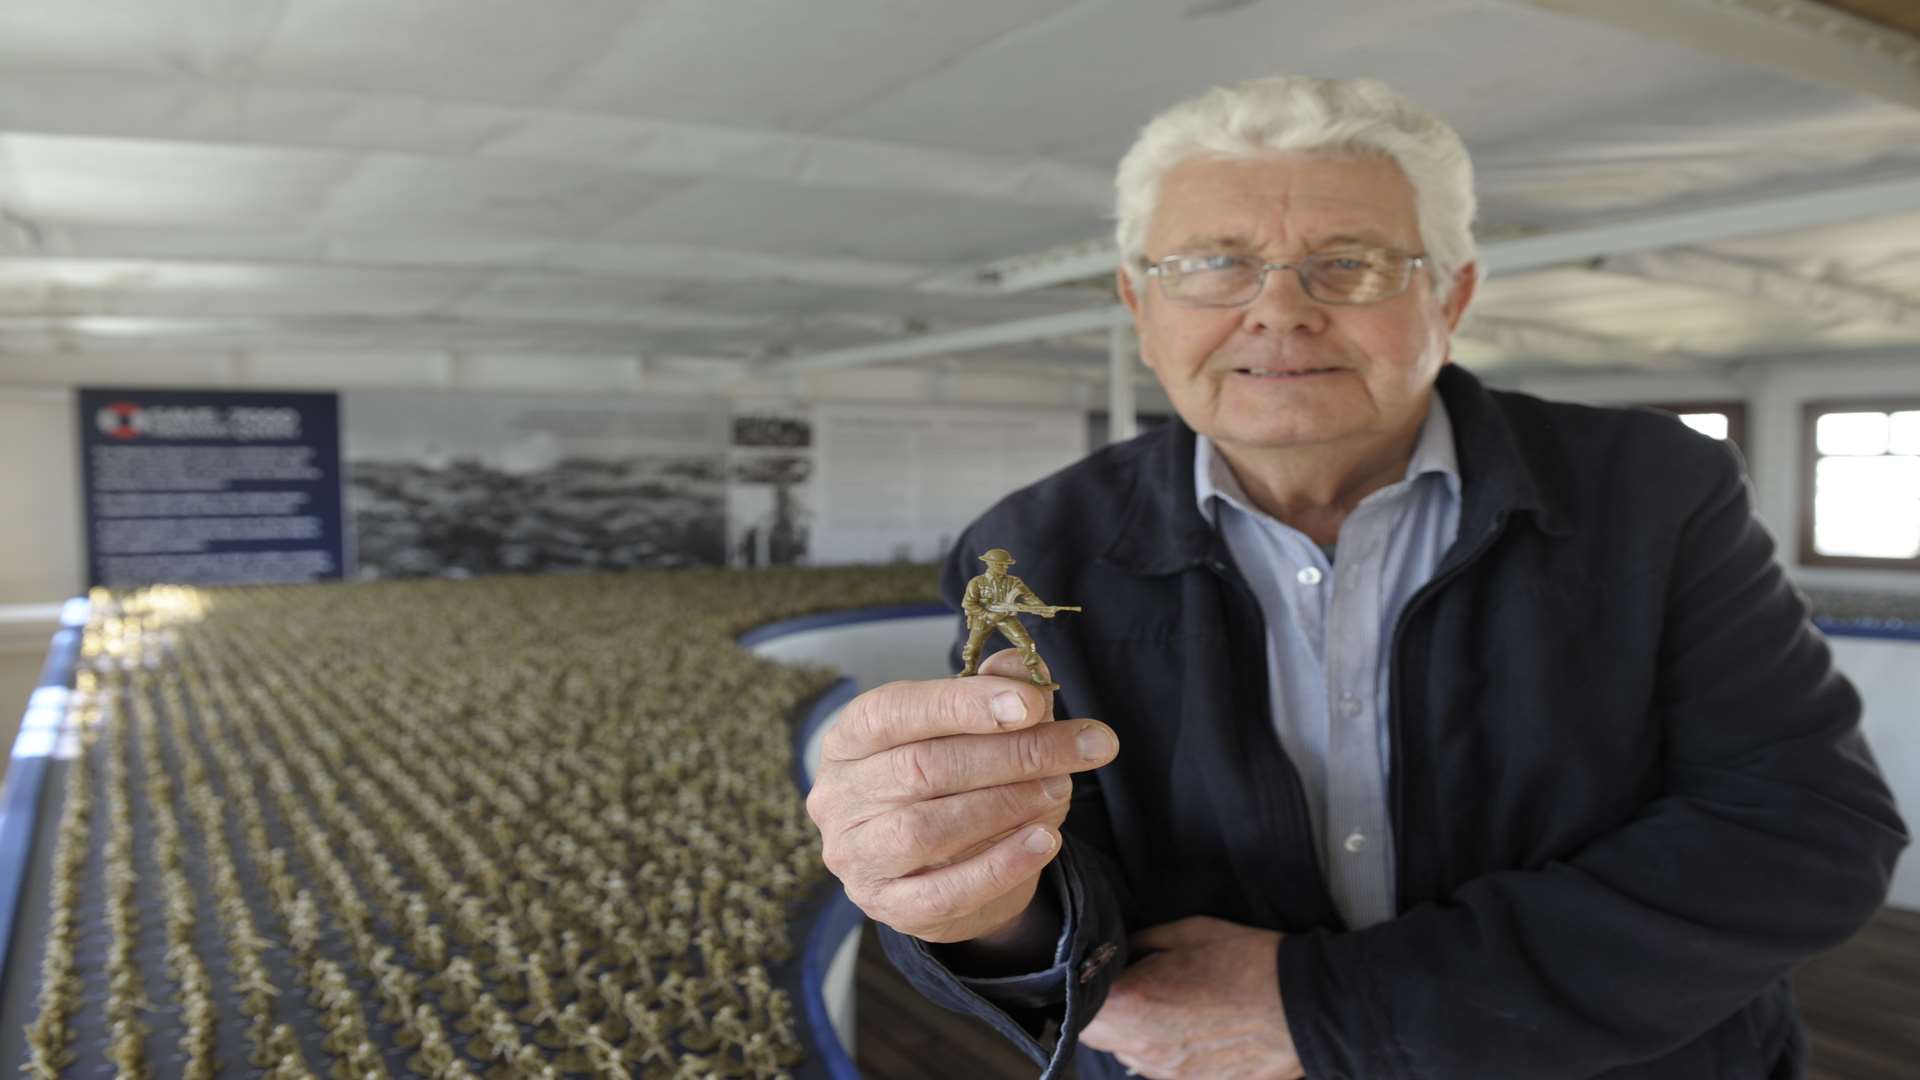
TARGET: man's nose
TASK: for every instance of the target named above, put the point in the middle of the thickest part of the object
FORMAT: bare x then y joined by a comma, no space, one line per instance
1283,304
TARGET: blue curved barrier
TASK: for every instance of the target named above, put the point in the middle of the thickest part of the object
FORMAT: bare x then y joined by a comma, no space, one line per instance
39,736
838,915
1893,629
821,620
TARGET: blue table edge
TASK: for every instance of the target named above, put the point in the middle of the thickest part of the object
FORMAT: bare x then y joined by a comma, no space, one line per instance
838,917
40,731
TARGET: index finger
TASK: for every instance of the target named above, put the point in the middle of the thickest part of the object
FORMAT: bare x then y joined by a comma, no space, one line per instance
908,712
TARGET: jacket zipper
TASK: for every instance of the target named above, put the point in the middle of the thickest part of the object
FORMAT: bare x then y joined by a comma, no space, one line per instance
1396,707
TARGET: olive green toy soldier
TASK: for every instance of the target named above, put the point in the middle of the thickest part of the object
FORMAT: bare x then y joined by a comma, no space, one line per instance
994,601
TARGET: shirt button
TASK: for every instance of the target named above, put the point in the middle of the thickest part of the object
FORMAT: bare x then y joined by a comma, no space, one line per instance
1350,706
1356,843
1309,575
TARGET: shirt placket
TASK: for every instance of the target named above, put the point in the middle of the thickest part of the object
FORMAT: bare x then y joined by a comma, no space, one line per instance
1358,841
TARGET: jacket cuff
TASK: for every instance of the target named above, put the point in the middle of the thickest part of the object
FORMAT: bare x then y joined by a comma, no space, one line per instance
1324,990
1068,992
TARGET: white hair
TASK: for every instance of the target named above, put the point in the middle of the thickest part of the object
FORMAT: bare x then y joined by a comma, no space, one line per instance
1307,117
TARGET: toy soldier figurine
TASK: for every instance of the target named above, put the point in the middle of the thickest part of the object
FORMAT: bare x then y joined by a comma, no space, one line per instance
994,601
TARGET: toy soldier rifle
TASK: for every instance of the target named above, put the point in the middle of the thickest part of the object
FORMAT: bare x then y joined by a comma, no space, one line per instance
1045,611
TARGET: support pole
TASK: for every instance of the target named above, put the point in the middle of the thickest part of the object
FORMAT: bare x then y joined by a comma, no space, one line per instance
1123,422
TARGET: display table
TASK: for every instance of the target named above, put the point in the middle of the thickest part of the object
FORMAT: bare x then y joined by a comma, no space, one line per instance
867,646
163,736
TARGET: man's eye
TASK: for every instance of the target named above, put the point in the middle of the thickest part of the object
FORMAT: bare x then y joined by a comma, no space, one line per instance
1349,263
1194,264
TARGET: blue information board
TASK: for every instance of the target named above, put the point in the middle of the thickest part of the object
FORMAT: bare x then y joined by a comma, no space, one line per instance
208,487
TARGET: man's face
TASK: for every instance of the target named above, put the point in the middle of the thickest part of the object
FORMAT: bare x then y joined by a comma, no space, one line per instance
1286,370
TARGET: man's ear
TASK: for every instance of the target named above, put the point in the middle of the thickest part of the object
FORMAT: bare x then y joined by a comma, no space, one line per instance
1129,296
1123,282
1464,282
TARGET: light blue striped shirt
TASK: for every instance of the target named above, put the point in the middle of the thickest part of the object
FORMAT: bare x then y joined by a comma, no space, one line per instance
1329,637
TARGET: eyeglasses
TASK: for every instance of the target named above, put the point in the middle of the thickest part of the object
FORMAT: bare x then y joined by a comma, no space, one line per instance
1353,276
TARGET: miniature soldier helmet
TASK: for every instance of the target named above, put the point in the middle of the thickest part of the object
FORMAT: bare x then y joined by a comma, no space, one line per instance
997,557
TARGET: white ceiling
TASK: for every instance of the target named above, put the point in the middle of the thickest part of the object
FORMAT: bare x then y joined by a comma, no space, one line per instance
766,180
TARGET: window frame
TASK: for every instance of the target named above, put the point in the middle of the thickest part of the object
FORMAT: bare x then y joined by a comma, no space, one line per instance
1810,413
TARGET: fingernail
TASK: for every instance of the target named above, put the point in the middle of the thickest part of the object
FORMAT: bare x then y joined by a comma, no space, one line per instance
1058,787
1039,840
1094,743
1009,708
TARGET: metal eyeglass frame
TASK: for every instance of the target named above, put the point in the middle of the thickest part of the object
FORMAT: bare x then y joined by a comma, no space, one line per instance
1299,267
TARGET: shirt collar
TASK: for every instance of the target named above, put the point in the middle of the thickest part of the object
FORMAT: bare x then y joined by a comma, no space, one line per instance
1433,452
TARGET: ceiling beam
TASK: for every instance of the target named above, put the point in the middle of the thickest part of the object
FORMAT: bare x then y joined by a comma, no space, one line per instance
1532,340
957,341
398,250
1780,213
1801,38
1882,198
1762,281
1037,270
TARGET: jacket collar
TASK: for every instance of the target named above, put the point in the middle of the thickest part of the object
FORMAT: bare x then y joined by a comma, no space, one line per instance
1161,530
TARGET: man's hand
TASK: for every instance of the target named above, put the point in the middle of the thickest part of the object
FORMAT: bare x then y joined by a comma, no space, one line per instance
1205,1003
939,803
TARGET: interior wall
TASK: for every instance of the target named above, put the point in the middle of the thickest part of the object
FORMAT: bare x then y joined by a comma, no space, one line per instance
1774,393
42,558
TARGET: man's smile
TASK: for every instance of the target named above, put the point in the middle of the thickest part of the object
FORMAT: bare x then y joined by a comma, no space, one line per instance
1279,373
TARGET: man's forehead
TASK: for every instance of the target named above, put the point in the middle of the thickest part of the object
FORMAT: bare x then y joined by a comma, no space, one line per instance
1354,236
1231,203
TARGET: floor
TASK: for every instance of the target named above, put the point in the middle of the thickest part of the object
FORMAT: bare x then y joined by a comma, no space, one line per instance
1861,1002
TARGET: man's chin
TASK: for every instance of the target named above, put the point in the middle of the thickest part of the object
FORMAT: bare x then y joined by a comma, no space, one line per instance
1266,436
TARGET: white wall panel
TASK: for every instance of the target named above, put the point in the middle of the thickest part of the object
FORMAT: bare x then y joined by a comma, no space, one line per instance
40,546
1775,394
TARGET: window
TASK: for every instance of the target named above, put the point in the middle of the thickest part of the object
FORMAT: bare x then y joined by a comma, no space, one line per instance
1726,420
1860,492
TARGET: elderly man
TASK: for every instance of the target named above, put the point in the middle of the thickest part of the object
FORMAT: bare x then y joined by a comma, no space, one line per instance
1441,732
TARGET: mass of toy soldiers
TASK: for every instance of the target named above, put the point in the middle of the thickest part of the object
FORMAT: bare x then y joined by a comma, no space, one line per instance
513,827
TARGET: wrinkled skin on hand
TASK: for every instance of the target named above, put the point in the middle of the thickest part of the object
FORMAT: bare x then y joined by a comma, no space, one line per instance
1204,1003
939,803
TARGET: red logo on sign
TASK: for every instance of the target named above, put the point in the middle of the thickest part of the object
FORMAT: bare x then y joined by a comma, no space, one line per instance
120,420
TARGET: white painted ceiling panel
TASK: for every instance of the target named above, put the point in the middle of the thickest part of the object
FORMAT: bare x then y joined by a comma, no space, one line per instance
126,287
209,38
781,65
501,51
111,181
760,178
882,225
509,198
1883,253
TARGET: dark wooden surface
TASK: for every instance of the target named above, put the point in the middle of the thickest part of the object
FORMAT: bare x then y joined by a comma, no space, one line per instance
1861,1002
1894,14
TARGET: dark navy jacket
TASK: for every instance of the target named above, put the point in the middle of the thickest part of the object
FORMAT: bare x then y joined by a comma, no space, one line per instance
1629,791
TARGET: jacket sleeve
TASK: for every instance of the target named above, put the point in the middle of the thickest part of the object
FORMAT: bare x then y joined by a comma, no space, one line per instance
1773,837
1091,949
